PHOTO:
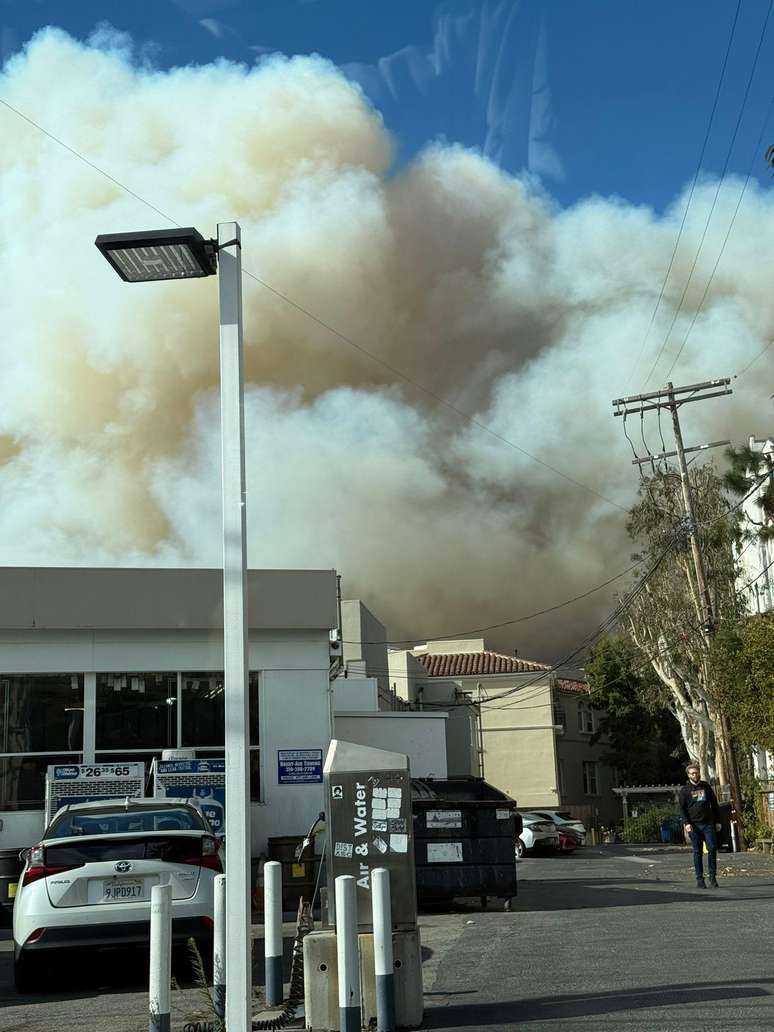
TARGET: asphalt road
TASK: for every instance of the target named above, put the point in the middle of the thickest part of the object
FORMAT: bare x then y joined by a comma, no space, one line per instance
614,939
611,940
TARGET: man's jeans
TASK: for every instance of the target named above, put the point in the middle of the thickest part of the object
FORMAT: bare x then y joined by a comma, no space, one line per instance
701,833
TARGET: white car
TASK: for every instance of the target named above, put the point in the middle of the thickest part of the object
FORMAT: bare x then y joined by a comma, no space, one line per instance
88,881
565,821
537,833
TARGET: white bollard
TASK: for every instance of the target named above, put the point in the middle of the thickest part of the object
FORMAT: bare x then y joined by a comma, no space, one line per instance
383,958
272,939
734,840
160,958
347,953
219,947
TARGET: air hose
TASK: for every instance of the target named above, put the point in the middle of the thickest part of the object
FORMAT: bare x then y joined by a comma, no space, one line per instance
304,925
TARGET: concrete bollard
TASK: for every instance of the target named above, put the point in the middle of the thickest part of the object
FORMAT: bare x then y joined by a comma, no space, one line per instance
219,947
383,954
347,954
272,939
160,958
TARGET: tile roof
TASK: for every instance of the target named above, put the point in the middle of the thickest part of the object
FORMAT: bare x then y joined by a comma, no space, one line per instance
464,664
573,687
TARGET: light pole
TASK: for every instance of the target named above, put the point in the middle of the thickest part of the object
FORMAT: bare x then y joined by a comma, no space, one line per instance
185,254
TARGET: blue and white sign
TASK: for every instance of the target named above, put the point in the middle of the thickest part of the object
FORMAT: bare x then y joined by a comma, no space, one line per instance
299,766
202,780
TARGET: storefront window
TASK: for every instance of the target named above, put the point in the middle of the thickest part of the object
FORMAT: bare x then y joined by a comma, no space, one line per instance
203,710
41,713
23,780
136,711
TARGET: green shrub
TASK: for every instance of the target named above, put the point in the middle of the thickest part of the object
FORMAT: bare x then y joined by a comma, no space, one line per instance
647,826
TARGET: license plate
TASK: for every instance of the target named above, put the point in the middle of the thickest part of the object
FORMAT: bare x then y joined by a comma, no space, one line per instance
113,891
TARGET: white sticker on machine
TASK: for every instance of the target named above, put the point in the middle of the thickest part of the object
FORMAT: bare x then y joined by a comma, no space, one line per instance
502,815
444,819
444,852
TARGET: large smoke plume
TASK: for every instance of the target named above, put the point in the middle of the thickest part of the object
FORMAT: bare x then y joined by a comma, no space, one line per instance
468,281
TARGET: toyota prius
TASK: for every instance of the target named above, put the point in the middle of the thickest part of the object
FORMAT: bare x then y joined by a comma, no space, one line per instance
88,881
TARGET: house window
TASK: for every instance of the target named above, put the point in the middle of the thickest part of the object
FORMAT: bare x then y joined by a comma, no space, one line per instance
585,718
561,779
590,777
560,717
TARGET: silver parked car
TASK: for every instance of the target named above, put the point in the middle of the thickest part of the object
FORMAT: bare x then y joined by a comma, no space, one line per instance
565,822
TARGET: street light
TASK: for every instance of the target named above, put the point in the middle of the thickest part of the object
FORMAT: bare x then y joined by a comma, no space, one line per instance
185,254
159,254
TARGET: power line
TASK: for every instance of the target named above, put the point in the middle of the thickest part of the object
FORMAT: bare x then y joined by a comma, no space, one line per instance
691,192
332,329
717,192
755,155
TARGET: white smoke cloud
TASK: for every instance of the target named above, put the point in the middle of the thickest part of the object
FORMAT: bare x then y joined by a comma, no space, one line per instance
466,280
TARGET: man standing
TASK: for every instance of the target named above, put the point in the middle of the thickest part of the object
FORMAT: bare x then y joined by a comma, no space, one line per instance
701,815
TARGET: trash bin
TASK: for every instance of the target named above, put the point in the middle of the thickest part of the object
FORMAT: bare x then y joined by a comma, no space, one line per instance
725,841
464,840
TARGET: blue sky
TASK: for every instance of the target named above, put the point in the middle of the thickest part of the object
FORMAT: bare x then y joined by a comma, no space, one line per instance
593,97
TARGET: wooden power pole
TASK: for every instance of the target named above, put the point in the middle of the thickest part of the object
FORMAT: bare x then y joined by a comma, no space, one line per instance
672,398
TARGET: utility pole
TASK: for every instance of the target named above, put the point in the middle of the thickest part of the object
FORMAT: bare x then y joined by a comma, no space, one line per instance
672,398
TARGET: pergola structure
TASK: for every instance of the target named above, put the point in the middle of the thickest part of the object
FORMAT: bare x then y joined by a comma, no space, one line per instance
644,790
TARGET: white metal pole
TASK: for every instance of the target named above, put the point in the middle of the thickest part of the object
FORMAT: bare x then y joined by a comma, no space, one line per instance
383,957
238,943
347,954
160,958
272,935
219,947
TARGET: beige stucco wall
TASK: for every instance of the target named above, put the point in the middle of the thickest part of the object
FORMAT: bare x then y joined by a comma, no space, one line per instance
574,747
518,741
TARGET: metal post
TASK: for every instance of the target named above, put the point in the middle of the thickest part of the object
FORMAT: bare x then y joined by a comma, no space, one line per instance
160,958
272,936
235,667
383,956
219,947
347,954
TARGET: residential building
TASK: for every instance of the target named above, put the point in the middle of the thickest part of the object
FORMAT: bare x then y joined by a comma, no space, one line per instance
521,726
755,581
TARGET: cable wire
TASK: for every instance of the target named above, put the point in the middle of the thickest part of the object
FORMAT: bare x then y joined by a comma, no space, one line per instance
717,192
691,192
755,154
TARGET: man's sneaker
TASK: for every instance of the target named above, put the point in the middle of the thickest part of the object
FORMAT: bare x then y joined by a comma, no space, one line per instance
713,883
700,883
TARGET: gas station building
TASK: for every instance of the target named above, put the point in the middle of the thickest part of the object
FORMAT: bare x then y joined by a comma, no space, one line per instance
106,665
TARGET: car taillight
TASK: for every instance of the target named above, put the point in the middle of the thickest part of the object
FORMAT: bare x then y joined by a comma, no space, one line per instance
38,868
37,934
209,856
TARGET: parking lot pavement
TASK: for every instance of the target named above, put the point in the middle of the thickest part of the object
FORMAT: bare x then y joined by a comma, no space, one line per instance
611,939
615,939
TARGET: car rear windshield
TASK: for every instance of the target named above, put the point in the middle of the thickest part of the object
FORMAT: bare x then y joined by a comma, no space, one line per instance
170,850
112,822
564,815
